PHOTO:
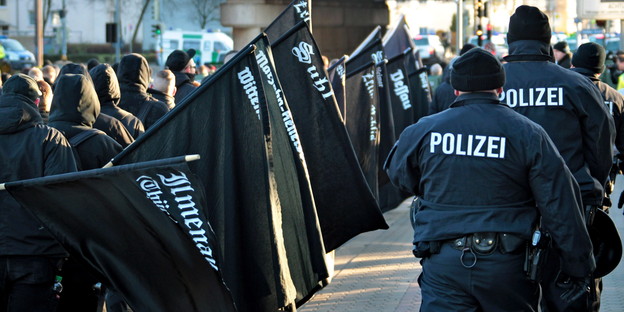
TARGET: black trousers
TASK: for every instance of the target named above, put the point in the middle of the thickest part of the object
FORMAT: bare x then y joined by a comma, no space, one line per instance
495,283
26,284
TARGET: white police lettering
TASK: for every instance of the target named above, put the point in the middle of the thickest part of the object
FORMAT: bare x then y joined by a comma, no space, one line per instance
302,9
182,190
263,62
377,56
304,53
246,78
470,145
609,106
400,89
551,96
369,82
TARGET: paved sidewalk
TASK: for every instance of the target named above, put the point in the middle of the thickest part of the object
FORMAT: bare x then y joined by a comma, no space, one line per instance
376,271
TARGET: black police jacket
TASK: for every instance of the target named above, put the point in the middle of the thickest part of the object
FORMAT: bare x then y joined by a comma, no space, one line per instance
28,149
569,107
614,102
480,167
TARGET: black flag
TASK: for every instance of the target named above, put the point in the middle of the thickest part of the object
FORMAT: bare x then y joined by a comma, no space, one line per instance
345,205
401,96
302,234
338,76
295,12
362,115
402,111
398,39
360,56
141,227
226,121
419,84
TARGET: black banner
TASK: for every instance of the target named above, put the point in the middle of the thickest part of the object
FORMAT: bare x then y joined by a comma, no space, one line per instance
300,226
295,12
419,85
360,56
141,227
398,39
401,97
345,205
337,75
402,111
226,121
363,120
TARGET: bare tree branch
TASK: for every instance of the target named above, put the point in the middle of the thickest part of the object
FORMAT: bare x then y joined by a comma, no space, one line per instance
206,11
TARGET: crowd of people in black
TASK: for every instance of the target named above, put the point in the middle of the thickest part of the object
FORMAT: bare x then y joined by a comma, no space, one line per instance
63,119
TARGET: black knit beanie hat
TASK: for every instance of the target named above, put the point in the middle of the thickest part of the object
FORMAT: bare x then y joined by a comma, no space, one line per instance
477,70
590,56
529,23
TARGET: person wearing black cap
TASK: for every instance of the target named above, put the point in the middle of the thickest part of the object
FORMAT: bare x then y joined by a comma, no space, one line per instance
29,255
182,65
484,175
562,54
568,106
444,94
589,61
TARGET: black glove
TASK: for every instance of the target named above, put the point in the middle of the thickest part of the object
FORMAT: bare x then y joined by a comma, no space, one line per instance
574,289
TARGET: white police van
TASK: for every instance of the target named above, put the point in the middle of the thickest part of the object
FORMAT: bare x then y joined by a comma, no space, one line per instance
210,47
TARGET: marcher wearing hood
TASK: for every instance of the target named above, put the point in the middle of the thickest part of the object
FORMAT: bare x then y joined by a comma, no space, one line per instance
110,125
107,89
28,149
134,76
75,108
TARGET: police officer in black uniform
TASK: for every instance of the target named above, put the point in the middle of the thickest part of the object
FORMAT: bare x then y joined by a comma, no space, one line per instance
484,176
567,105
589,61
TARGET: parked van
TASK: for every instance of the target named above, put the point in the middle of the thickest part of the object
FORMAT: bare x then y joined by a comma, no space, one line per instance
211,47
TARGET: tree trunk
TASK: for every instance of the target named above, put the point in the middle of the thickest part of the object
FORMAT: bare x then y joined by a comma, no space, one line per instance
136,27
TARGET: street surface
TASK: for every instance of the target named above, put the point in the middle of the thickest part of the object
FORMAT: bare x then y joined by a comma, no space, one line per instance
376,271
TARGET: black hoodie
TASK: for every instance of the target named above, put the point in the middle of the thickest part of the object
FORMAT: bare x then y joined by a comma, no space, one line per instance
107,89
110,125
75,108
134,78
568,106
28,149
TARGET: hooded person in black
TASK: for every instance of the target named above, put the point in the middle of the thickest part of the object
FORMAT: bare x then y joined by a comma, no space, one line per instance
134,76
75,108
29,254
110,125
571,110
183,67
107,89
